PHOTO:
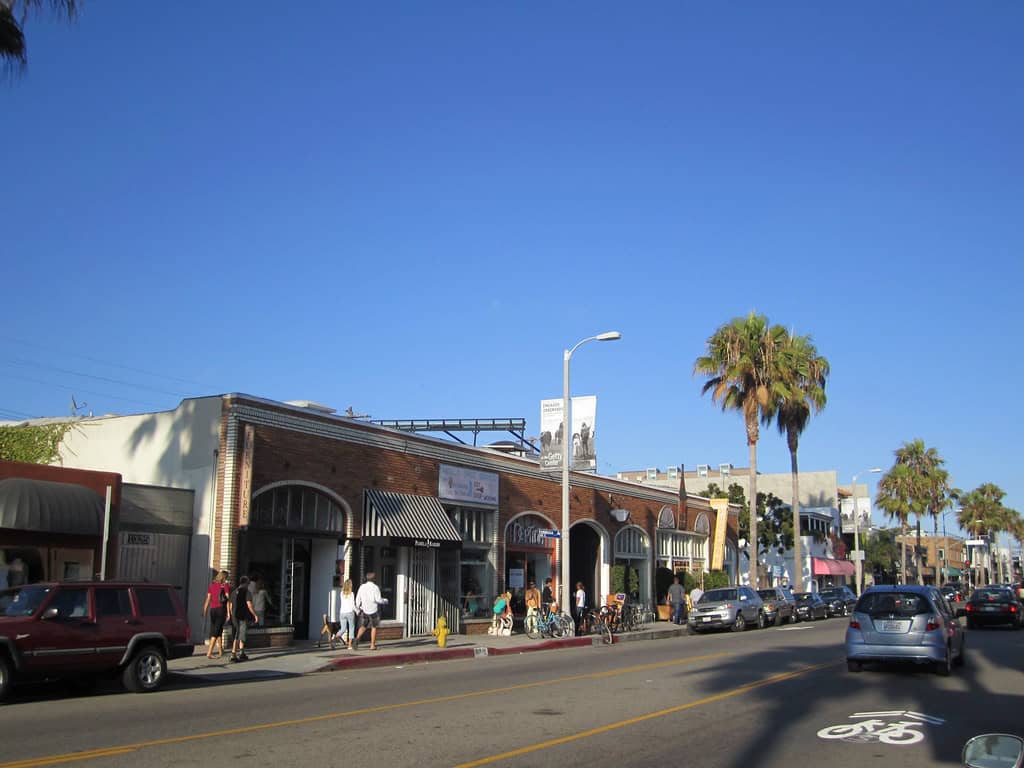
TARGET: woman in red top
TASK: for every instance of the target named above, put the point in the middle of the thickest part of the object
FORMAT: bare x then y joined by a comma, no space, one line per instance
217,605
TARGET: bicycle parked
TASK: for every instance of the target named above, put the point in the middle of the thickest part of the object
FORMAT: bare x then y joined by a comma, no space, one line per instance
552,624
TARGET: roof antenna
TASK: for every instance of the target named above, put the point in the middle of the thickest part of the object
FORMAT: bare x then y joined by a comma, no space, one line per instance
75,407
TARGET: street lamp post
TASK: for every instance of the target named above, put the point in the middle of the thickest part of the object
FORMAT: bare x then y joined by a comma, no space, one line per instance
566,450
858,557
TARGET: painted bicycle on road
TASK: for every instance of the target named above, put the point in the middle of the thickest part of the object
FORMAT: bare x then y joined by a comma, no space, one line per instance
877,727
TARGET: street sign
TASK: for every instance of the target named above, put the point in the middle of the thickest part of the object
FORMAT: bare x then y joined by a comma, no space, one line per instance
976,542
552,534
857,554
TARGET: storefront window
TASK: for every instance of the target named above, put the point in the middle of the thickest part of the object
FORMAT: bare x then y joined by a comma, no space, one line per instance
476,526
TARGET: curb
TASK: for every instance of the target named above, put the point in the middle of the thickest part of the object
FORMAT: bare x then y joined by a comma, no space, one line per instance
478,651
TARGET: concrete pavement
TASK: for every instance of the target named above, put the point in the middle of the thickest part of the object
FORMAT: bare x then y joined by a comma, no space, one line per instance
305,657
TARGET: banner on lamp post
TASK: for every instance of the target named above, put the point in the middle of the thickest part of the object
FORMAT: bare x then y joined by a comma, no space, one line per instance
553,437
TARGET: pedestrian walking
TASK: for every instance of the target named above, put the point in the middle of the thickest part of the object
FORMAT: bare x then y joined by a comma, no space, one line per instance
241,613
547,596
216,607
581,604
368,603
695,595
347,615
677,601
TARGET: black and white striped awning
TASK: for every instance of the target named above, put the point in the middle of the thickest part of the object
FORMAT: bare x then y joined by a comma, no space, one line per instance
403,516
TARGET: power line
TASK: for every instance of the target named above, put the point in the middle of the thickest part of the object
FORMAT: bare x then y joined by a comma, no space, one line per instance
107,379
69,389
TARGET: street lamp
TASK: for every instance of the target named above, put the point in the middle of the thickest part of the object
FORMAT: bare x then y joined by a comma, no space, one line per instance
858,556
566,450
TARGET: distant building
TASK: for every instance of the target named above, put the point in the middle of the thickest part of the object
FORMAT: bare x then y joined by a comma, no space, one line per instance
938,553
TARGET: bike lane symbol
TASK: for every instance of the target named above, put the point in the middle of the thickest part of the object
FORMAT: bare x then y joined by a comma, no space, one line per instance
897,727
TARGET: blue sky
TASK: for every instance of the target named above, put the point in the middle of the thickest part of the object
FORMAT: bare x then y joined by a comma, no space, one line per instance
413,209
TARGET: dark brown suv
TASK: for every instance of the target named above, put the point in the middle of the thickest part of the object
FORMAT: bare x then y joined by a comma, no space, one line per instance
84,630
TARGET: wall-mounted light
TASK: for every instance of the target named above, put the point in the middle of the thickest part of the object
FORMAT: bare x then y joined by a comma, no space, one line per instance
620,515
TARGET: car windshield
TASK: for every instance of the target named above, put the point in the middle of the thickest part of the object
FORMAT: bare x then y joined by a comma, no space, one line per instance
22,601
718,596
893,604
830,593
767,594
805,597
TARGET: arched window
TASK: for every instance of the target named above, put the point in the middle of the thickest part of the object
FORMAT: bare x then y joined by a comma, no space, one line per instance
631,544
297,508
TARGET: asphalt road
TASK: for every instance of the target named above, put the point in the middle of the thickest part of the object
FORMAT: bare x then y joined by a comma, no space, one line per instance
761,698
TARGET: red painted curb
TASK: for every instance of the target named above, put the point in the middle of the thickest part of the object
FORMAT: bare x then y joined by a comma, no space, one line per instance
373,659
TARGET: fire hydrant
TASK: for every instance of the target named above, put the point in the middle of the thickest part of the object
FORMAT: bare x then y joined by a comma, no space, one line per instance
441,632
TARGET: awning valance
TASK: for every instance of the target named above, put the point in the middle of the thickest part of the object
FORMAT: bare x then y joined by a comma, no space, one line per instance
50,507
951,571
403,516
826,566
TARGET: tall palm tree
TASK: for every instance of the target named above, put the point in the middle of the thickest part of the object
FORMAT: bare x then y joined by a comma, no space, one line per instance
898,495
982,512
924,463
801,391
740,363
13,14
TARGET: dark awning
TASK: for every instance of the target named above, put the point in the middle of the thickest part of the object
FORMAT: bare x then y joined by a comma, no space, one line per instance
44,505
148,506
403,516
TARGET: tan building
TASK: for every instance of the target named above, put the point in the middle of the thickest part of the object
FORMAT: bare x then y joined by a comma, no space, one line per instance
937,552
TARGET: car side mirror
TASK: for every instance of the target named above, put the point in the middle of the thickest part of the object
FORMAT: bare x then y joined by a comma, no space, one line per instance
50,613
993,749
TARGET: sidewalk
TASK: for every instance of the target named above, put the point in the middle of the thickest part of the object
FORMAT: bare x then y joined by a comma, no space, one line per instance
305,657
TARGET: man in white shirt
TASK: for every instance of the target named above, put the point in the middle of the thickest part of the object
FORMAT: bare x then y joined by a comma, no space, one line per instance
368,602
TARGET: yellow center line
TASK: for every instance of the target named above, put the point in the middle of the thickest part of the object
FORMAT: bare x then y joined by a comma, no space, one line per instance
641,718
90,754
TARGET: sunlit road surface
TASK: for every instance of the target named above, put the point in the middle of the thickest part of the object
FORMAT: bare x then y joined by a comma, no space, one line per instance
776,697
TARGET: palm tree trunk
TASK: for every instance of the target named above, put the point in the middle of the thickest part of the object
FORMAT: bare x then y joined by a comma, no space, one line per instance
903,552
917,553
798,561
753,508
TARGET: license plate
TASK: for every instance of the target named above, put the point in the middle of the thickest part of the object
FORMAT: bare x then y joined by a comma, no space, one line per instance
892,626
990,608
705,618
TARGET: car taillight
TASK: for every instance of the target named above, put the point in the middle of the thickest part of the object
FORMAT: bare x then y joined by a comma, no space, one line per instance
933,623
969,608
1013,609
854,624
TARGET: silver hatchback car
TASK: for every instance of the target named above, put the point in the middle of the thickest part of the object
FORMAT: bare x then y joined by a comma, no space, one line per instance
904,623
734,608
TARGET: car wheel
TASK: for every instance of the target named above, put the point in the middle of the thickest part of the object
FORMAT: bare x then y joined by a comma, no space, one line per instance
853,666
5,678
961,658
761,621
146,671
943,668
740,624
778,622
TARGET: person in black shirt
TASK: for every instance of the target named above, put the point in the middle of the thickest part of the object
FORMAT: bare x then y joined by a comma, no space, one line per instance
241,613
546,597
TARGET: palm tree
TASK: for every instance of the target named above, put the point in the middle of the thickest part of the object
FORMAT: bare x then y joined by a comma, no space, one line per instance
801,391
982,512
924,463
899,496
13,14
741,368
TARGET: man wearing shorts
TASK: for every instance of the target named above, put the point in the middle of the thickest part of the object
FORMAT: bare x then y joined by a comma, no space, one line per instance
368,603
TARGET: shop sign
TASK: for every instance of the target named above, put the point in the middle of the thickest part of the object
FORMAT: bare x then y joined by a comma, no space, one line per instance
248,448
528,534
462,484
516,578
430,543
138,540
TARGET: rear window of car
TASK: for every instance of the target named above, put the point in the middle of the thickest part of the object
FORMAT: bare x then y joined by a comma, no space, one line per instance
806,597
155,602
767,594
991,594
113,602
893,604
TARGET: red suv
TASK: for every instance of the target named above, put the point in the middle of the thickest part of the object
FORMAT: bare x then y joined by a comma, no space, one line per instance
86,630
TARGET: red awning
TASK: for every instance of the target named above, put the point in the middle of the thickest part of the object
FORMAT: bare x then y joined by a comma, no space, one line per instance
826,566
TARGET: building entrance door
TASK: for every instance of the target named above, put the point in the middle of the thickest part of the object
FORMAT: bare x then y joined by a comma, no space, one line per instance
422,569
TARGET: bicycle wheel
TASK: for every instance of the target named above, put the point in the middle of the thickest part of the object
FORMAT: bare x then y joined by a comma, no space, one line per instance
532,627
567,628
603,629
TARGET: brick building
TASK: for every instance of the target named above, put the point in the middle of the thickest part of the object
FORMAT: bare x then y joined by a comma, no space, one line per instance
307,497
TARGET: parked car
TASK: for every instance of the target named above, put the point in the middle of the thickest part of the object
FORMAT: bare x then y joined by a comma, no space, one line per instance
86,630
993,605
839,601
904,623
810,606
779,606
734,608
